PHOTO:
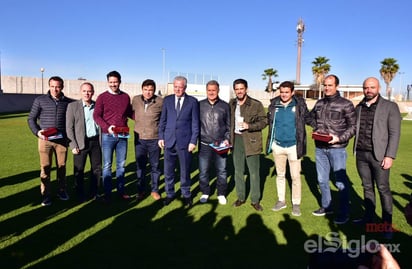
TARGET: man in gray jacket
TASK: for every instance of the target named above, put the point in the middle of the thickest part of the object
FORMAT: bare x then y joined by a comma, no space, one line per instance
83,135
378,129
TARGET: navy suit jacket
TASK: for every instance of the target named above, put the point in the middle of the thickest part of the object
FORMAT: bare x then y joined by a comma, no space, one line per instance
183,129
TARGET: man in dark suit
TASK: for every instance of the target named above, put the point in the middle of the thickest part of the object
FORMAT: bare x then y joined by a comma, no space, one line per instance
83,135
178,134
378,129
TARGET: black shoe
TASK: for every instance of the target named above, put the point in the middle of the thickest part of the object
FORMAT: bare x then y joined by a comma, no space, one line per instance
187,202
167,200
46,201
257,206
322,212
238,203
341,220
362,221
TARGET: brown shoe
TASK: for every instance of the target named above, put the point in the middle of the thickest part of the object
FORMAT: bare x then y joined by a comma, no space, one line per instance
155,195
257,206
238,203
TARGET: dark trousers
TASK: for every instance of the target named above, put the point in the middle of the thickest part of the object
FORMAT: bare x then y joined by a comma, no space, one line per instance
170,158
93,150
371,173
147,150
253,165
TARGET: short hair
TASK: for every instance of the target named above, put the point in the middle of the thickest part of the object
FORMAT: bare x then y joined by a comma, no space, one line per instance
57,78
287,84
240,81
181,78
149,82
114,74
87,83
213,82
335,77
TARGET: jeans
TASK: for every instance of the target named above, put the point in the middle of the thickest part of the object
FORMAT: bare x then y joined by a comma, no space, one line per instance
253,164
371,173
207,156
335,158
46,150
110,144
93,150
147,150
281,156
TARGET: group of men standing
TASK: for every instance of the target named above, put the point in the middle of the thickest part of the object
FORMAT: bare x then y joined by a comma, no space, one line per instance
178,123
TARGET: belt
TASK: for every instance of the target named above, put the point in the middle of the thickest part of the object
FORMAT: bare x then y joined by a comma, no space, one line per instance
96,137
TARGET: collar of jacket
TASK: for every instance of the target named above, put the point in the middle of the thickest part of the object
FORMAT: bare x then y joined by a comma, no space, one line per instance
293,101
59,99
332,97
151,100
217,101
363,102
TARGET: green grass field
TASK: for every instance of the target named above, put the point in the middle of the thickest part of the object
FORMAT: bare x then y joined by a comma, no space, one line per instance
148,235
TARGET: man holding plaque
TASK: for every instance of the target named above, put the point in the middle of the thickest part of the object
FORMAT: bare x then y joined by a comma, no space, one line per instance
111,111
47,121
214,132
248,118
333,120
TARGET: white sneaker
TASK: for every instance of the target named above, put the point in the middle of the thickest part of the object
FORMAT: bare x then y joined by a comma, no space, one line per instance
203,198
222,199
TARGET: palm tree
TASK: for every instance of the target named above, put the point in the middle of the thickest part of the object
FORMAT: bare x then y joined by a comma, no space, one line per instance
268,74
319,70
388,72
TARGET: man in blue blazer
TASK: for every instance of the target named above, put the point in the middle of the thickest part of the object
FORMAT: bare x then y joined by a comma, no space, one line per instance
178,134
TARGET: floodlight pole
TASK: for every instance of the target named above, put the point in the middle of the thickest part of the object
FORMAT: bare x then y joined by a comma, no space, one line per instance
42,71
300,28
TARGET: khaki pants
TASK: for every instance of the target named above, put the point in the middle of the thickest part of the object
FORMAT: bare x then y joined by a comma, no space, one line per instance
46,150
281,155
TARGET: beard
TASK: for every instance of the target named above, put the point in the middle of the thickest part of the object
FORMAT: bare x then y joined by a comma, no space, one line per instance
370,96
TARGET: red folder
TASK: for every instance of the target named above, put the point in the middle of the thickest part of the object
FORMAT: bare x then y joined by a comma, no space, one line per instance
321,137
50,131
121,130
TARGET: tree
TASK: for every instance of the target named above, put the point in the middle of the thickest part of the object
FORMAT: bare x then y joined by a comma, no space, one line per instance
268,74
388,72
319,70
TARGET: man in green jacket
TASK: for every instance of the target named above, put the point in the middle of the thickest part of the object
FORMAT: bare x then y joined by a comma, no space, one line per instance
248,118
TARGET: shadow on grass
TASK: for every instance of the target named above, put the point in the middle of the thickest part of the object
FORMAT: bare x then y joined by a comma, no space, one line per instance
176,240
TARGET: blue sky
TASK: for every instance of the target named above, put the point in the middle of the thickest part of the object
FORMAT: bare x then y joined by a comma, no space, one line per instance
225,39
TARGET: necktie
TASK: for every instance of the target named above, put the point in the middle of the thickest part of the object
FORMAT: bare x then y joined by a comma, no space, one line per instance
178,106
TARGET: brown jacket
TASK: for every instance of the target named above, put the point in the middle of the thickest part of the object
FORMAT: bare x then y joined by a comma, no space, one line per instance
147,120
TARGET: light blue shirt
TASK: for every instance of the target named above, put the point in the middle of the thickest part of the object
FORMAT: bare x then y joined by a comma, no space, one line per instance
91,126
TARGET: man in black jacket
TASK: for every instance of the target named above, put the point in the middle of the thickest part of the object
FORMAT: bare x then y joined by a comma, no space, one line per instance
334,117
47,121
287,116
214,129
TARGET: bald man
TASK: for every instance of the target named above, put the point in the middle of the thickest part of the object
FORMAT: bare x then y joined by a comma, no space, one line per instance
378,129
